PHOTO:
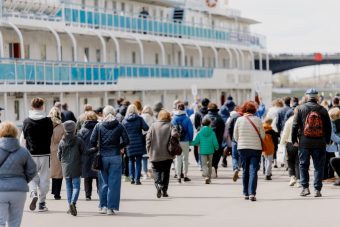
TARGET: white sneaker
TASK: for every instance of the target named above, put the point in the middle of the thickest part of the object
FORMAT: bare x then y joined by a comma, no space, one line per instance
103,210
145,176
292,181
110,212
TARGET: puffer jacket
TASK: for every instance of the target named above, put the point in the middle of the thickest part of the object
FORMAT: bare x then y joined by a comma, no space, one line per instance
245,134
134,125
113,137
206,139
19,168
181,118
70,150
299,122
87,160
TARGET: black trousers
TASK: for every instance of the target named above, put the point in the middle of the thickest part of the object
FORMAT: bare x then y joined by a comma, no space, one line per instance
335,163
216,158
125,164
88,185
328,170
196,154
293,160
161,172
56,186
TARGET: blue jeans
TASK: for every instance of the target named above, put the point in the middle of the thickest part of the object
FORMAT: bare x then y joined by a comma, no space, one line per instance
250,161
72,189
135,167
110,182
145,164
318,156
235,156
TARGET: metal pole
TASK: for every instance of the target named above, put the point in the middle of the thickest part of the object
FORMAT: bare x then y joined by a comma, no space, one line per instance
5,105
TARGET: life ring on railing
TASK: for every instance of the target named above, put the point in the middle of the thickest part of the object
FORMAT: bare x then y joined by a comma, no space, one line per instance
211,3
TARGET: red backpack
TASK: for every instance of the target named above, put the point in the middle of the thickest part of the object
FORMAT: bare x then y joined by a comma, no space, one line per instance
313,127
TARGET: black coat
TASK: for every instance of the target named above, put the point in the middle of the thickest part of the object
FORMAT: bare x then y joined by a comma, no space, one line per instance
67,115
217,124
87,160
298,126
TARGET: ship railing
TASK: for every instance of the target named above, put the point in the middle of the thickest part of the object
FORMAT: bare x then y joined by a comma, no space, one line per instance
21,71
100,19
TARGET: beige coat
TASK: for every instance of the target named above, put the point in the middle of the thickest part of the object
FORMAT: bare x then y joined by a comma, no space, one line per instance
58,133
246,136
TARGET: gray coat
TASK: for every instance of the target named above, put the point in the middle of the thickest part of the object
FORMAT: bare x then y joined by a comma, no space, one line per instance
157,141
18,169
71,148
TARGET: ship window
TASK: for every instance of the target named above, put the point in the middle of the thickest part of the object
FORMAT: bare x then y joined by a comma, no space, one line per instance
156,59
86,54
169,59
17,110
96,4
14,50
43,52
122,7
114,6
133,57
98,55
191,61
83,4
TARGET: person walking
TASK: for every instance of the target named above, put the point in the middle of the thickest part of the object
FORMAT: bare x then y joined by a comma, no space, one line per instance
58,132
157,140
184,127
147,115
271,141
66,114
218,125
311,132
111,137
135,125
248,133
70,150
87,159
37,132
17,169
208,143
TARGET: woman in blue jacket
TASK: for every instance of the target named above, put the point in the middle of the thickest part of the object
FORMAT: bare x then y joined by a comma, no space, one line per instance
134,125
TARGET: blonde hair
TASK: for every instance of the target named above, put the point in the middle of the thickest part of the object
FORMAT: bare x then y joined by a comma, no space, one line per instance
8,129
147,110
109,113
334,114
91,116
164,115
132,109
87,107
55,115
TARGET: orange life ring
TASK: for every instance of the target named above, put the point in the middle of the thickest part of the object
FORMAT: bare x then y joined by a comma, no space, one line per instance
211,3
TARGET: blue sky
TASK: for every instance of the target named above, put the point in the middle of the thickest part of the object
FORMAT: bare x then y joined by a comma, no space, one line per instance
295,25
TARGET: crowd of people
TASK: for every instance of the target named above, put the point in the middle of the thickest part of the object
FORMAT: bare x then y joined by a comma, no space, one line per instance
129,137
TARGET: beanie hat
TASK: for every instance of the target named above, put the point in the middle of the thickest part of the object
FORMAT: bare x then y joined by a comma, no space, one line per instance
69,126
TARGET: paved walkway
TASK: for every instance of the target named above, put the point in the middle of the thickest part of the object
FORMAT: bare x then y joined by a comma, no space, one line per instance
197,204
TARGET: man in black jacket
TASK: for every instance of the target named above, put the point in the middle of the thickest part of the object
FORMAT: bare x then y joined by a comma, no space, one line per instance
67,115
311,132
37,131
282,113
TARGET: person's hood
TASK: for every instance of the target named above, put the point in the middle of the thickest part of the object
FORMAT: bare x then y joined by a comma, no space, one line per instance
9,144
204,110
132,117
90,124
180,116
230,104
224,111
234,114
267,127
36,114
180,113
206,131
110,124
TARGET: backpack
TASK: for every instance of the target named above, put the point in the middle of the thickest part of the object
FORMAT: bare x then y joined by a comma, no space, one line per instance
180,129
174,146
268,145
313,125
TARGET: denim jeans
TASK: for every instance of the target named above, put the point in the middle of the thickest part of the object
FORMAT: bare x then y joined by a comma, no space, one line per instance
235,156
318,156
145,164
110,182
72,189
250,161
135,167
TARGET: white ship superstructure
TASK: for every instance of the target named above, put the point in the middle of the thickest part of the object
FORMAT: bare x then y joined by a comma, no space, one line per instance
79,52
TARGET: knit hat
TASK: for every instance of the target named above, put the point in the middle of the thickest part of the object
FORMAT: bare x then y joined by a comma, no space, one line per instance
69,126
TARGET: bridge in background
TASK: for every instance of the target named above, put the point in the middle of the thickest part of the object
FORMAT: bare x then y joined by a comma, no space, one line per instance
284,62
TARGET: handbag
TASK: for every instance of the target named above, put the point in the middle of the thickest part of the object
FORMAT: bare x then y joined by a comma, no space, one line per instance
174,146
263,145
97,163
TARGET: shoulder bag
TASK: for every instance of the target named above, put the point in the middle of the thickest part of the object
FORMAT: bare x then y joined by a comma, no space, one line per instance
97,163
5,159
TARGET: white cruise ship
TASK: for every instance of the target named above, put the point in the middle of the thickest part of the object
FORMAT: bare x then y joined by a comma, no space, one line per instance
95,51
